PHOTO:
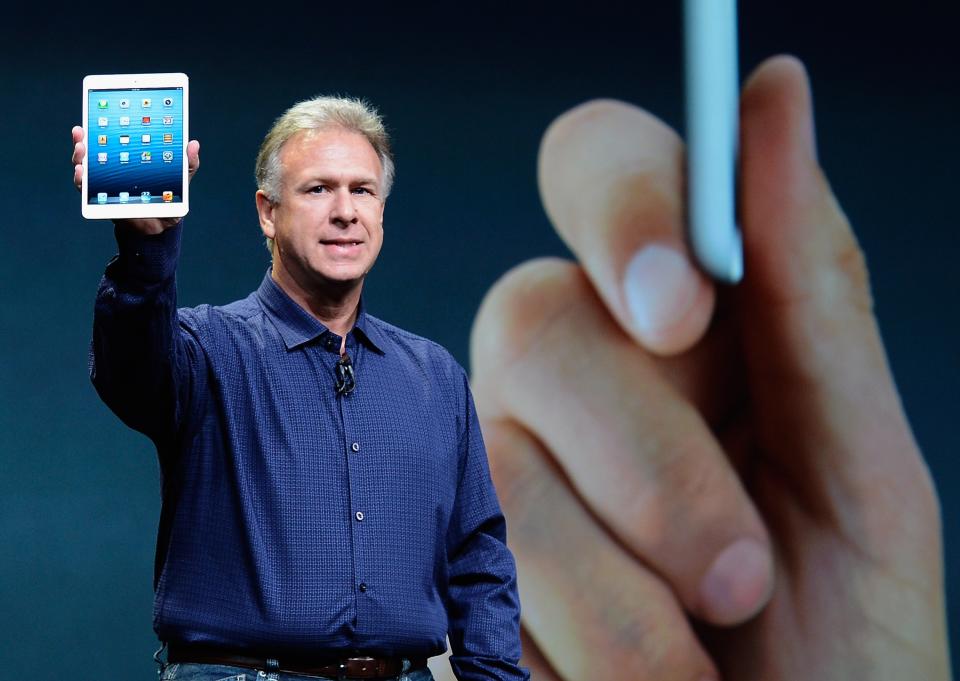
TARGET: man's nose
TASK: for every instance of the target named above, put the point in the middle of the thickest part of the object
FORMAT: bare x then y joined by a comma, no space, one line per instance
344,210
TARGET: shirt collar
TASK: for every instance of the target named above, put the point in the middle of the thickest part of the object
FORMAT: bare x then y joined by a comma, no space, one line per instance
298,327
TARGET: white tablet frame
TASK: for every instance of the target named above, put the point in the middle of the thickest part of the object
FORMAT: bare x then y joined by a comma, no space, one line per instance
118,211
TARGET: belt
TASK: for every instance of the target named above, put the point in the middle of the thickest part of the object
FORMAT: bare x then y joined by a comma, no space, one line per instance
325,665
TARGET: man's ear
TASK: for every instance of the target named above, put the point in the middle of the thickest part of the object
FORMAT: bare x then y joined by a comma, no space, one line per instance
265,209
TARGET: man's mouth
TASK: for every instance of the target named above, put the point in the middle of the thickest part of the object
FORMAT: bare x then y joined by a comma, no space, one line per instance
346,248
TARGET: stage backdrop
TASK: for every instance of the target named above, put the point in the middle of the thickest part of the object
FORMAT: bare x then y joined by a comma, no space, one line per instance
467,94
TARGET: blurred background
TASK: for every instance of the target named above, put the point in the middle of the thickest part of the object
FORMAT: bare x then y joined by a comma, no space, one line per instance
467,93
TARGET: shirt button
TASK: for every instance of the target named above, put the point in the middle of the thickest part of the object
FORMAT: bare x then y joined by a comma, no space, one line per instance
359,515
330,343
363,587
355,446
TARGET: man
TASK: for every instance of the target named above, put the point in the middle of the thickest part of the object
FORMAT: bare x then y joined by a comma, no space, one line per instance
327,506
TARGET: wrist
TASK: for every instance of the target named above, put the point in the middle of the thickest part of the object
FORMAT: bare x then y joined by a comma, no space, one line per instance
146,257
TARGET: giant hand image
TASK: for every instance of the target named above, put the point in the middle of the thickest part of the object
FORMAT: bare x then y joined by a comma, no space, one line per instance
705,483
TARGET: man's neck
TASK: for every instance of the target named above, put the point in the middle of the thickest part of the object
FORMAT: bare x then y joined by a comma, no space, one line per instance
334,307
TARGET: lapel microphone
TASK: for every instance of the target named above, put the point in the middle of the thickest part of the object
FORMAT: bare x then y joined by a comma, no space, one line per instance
345,379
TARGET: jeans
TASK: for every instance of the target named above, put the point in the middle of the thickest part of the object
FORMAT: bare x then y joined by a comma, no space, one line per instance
216,672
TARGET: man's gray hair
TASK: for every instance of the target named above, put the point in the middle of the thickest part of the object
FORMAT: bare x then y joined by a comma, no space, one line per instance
321,113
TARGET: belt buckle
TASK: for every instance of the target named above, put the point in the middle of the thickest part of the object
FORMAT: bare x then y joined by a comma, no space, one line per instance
366,662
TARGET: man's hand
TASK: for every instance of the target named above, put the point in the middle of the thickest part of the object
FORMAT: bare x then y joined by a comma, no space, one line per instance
665,449
144,225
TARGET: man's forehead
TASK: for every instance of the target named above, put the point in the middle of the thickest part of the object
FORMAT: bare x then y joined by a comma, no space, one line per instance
333,139
335,146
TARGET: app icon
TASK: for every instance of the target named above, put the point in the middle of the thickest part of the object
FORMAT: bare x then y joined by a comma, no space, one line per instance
101,197
101,140
102,104
146,103
124,139
168,120
102,121
102,157
124,121
168,157
124,157
145,157
124,197
145,120
168,138
168,101
145,138
168,196
145,197
124,103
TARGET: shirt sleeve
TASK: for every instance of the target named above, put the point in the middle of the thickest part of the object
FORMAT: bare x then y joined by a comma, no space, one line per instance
483,603
141,364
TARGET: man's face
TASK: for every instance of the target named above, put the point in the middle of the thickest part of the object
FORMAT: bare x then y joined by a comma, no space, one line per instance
328,224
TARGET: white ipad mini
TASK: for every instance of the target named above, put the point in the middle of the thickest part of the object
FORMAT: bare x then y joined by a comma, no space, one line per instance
712,94
135,132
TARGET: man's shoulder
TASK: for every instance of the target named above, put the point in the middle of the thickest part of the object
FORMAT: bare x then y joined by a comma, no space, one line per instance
204,316
412,343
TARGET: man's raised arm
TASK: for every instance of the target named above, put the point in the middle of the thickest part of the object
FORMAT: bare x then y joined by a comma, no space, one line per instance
138,362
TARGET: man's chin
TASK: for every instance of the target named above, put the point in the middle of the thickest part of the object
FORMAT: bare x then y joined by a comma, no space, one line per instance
340,279
323,278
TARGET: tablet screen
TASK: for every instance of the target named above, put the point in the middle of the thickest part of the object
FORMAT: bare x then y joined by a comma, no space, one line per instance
135,150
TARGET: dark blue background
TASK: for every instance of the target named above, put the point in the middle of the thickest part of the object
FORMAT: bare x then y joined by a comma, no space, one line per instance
467,94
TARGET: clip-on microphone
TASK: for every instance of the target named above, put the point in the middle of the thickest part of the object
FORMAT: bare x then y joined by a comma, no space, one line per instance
346,381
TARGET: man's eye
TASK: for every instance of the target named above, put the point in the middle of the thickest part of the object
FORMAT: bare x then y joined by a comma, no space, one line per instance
361,190
319,189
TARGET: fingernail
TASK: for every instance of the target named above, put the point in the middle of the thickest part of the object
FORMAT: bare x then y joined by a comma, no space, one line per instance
738,582
660,288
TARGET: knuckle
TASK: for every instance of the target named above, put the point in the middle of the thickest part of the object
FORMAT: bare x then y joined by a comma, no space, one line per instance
684,463
518,307
683,479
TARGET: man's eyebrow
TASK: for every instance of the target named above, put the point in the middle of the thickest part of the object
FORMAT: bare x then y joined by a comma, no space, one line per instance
353,182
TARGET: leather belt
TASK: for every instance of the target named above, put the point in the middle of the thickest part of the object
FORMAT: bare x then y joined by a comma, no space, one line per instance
324,665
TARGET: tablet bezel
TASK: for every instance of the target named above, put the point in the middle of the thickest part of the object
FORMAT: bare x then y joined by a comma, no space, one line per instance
119,211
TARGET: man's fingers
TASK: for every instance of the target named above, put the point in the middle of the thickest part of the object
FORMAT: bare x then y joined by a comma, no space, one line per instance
817,364
193,157
591,609
611,181
79,149
77,158
546,353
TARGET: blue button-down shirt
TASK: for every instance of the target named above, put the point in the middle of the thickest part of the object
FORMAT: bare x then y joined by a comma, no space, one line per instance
294,518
